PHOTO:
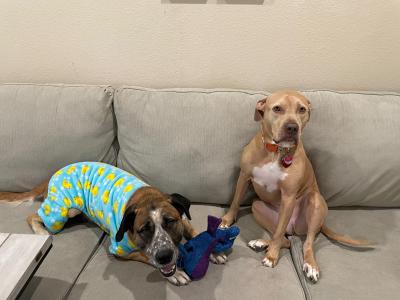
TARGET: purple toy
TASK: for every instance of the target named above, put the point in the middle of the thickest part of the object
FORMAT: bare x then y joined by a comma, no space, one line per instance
194,254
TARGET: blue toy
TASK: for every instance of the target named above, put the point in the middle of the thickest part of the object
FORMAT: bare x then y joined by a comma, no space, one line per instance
194,254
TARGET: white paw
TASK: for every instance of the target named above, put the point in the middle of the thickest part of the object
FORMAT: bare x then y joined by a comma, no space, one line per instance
310,272
218,259
267,263
257,245
223,226
179,278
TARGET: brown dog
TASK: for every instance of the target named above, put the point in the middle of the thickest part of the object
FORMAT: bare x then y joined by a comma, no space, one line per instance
154,223
276,164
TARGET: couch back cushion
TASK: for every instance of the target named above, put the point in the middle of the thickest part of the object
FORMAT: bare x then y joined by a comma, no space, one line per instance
45,127
186,141
190,141
353,141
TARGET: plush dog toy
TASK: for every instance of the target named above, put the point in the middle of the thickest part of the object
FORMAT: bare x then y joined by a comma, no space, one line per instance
194,254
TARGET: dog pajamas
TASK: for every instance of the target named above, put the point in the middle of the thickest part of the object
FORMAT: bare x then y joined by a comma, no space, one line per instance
98,190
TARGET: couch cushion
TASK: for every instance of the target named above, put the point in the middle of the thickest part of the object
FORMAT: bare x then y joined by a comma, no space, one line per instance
45,127
186,141
243,277
360,274
352,141
71,249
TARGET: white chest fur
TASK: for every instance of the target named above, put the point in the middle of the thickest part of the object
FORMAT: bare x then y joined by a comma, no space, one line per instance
269,175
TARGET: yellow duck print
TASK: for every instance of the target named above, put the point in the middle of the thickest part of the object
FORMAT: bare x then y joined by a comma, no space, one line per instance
46,209
100,171
67,202
120,251
106,197
53,189
100,214
66,184
108,220
58,173
52,198
128,188
64,212
85,169
57,226
78,201
87,185
79,184
110,176
119,182
71,170
95,191
115,207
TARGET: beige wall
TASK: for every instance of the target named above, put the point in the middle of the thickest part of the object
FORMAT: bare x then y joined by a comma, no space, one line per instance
268,44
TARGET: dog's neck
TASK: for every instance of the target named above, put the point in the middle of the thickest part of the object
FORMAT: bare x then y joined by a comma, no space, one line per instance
284,151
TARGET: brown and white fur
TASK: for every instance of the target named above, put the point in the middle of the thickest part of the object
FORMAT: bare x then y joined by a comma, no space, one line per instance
154,221
289,201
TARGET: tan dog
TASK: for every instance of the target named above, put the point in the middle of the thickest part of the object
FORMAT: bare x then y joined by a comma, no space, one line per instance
289,201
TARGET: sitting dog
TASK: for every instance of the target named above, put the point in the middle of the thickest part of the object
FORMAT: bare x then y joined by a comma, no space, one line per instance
276,164
144,224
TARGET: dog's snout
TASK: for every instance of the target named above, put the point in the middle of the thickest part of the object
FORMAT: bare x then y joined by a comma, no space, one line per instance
292,128
164,256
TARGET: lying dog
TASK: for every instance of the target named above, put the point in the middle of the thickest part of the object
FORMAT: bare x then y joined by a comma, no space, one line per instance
144,224
276,164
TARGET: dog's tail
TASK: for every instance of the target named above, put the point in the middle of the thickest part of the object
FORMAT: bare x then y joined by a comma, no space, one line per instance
37,193
345,239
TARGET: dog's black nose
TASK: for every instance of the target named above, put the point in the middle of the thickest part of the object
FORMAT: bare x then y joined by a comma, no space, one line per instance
292,128
164,256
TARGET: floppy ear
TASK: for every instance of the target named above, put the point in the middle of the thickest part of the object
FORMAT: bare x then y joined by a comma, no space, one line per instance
259,111
127,222
182,204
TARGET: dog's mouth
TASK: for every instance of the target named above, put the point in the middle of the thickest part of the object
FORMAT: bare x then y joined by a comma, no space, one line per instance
168,270
286,141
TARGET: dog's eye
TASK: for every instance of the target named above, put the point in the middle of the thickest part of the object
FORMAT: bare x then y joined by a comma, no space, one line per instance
169,221
302,110
277,109
144,228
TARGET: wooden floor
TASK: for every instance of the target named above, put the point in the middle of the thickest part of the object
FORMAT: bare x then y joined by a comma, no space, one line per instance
20,254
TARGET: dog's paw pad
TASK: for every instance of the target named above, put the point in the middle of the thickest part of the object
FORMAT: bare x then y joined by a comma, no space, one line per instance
179,278
218,259
258,245
311,273
267,263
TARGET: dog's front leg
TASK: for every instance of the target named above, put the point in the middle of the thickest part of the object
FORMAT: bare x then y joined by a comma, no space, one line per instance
287,205
241,187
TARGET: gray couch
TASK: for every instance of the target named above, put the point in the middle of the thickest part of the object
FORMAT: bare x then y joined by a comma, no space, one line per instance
189,141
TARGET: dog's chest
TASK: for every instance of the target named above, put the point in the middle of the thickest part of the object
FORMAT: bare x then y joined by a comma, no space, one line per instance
268,176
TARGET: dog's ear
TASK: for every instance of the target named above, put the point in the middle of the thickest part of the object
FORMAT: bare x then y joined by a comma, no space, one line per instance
181,204
259,111
127,222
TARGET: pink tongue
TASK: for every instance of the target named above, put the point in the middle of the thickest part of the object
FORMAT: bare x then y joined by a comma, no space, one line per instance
287,160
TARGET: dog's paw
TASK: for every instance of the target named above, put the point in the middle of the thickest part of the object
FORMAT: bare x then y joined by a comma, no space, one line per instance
267,263
219,258
179,278
312,273
258,245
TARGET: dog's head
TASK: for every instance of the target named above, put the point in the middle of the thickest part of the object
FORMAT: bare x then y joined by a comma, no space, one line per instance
153,221
284,116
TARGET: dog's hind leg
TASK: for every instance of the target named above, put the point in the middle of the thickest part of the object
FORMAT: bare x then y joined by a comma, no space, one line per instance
36,223
73,212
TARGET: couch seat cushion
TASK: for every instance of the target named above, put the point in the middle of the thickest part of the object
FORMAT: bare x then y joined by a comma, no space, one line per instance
243,277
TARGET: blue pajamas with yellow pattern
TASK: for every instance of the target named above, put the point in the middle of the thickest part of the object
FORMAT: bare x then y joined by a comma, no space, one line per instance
98,190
